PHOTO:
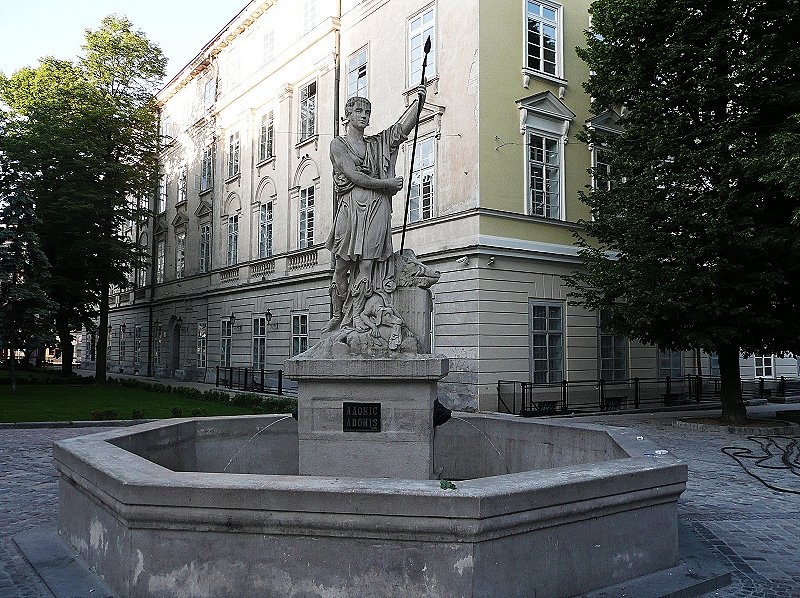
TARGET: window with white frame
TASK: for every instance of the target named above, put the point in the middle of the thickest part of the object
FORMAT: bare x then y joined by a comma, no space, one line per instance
309,15
162,194
542,38
233,240
207,168
205,247
137,344
266,140
601,168
209,93
265,230
259,342
613,353
764,366
157,342
122,343
233,155
182,174
308,110
161,254
544,175
420,28
269,45
357,74
421,196
202,343
180,254
670,364
226,332
546,329
299,333
306,234
166,129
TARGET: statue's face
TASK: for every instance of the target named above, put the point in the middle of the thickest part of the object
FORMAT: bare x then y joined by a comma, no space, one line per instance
359,114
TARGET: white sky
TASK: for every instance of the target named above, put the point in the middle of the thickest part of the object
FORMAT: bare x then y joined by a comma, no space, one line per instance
32,29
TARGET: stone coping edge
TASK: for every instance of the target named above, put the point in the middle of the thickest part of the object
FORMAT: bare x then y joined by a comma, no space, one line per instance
416,367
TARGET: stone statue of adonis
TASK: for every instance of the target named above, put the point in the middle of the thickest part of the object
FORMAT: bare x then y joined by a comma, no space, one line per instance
366,271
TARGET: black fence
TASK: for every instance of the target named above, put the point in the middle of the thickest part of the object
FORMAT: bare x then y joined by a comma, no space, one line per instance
528,399
254,380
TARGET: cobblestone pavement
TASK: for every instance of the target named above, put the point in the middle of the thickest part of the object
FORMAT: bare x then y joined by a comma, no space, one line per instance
28,499
753,529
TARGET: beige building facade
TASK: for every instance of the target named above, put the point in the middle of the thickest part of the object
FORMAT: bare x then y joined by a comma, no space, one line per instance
240,276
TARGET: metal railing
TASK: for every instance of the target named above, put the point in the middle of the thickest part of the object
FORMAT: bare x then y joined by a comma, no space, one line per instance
251,379
528,399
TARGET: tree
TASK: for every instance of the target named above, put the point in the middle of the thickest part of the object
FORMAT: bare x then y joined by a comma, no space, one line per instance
25,309
692,244
87,134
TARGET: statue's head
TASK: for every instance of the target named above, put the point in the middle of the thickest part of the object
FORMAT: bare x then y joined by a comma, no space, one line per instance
351,103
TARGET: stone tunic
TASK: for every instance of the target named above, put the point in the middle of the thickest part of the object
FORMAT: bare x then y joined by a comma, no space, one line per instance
363,221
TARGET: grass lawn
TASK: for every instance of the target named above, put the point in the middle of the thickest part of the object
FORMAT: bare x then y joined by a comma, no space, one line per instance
66,402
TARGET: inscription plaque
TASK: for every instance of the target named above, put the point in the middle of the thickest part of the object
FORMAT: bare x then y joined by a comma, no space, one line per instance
361,417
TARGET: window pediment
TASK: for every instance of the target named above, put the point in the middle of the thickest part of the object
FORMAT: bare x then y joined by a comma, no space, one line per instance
607,122
203,209
180,220
160,226
544,111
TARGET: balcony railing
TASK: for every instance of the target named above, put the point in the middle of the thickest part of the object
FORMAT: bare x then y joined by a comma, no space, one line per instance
301,261
229,275
262,269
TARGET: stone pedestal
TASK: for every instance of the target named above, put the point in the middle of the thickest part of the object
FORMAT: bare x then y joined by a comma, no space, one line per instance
366,418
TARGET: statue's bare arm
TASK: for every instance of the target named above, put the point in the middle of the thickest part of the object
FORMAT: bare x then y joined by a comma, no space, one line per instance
409,117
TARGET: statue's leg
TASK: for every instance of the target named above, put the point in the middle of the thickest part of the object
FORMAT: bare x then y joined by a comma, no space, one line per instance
361,290
338,293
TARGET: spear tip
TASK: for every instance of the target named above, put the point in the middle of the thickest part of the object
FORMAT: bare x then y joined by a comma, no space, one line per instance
428,45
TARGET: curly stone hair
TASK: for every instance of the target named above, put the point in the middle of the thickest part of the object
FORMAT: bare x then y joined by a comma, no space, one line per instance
348,106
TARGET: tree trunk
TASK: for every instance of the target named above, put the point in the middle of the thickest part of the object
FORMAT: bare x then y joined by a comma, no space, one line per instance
733,409
12,364
67,350
101,364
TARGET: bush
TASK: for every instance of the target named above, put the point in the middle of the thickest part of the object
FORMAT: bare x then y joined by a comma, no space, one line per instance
137,414
105,415
199,413
176,411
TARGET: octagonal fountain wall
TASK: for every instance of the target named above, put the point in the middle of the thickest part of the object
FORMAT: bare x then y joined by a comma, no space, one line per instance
214,507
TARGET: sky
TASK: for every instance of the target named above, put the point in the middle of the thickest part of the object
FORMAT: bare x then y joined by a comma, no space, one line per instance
32,29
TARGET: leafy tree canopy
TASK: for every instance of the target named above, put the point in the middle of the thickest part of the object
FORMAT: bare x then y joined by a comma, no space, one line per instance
693,243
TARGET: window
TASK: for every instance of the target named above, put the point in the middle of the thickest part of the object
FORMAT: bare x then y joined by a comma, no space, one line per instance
137,344
306,236
546,327
357,74
421,198
541,38
161,250
420,28
601,168
613,354
269,46
309,15
260,343
670,364
141,276
225,343
265,230
162,194
209,93
166,127
266,139
180,255
157,344
233,239
764,366
206,169
543,176
202,344
299,333
205,248
308,110
122,343
233,155
182,184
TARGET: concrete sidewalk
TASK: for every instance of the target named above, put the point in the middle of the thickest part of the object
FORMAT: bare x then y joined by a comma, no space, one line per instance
746,515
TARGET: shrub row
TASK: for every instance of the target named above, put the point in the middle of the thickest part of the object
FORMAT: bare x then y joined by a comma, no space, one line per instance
257,402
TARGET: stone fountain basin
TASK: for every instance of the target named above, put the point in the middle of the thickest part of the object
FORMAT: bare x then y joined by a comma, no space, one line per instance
547,508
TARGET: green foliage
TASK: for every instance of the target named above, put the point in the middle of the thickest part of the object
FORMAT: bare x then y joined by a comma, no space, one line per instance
694,244
85,136
447,485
